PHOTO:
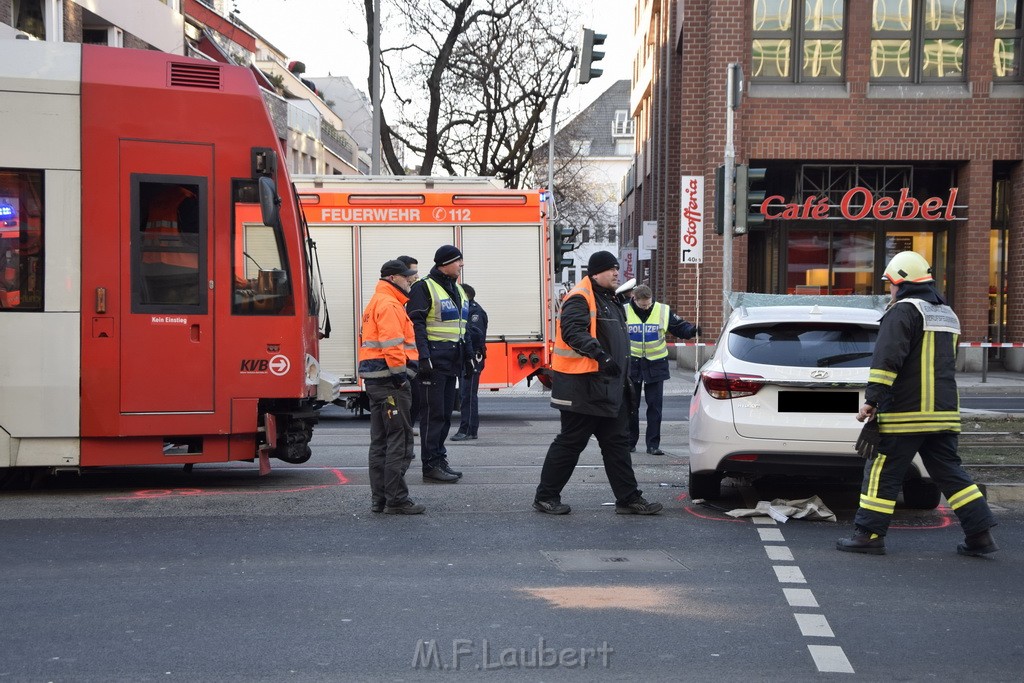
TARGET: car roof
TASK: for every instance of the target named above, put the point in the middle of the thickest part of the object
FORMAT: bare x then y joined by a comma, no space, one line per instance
803,314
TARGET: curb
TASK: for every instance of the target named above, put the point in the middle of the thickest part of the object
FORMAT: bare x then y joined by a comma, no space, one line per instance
1004,494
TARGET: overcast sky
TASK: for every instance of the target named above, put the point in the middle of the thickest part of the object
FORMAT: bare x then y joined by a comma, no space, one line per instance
328,37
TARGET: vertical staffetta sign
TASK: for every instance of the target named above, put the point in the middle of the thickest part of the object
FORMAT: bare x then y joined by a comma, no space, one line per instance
691,220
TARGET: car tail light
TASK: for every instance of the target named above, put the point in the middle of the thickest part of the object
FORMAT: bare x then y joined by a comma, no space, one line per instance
743,457
723,385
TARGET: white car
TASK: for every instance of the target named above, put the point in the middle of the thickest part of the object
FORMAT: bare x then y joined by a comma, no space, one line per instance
781,396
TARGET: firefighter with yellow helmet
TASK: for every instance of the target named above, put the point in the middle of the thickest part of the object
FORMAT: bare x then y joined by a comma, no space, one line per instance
912,396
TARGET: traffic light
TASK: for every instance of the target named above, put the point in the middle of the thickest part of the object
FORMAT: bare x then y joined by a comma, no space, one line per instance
749,199
566,243
719,199
588,55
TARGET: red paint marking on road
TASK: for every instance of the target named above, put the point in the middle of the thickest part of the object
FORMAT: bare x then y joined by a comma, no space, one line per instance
689,508
945,520
149,494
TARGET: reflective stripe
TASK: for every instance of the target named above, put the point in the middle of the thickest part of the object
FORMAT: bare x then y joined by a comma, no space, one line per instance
882,505
964,496
647,339
876,473
881,376
928,372
370,344
453,329
912,416
567,352
920,428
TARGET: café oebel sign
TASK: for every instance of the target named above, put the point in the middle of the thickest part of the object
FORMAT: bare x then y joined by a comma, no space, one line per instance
860,203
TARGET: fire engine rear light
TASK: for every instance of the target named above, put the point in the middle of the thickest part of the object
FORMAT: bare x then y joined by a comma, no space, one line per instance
309,199
725,385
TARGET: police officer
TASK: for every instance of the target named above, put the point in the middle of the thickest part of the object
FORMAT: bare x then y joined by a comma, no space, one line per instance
912,394
469,385
648,321
439,309
591,390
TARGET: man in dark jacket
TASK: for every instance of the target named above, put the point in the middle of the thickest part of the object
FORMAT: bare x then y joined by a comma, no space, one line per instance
439,310
647,322
469,385
592,391
913,396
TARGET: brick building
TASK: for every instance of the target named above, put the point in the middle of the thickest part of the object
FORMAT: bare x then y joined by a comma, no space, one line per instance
920,103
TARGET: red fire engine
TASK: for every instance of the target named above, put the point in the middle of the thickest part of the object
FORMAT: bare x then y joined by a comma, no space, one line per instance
157,303
359,222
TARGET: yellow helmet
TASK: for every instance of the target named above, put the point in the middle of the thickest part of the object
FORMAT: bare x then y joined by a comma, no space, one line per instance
908,266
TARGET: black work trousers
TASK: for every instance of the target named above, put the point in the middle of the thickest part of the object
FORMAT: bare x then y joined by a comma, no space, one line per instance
654,394
469,410
612,435
883,478
391,442
437,401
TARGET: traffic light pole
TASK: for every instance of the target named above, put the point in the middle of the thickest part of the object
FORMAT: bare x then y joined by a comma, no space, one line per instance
728,210
552,209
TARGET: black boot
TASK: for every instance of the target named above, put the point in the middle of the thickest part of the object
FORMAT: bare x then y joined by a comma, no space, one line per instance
976,545
862,541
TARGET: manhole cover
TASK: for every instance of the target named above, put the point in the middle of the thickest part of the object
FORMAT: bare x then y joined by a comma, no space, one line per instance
613,560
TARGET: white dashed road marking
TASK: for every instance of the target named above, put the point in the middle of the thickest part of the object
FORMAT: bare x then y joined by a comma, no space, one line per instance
828,658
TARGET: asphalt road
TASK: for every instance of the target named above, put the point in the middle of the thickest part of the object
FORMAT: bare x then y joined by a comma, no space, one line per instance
154,574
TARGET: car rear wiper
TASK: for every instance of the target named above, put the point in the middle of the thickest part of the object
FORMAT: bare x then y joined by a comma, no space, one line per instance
842,358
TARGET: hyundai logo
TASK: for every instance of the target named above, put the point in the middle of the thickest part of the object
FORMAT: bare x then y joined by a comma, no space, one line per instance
819,374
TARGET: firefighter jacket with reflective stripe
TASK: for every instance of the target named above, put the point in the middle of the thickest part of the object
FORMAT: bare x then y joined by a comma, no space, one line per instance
591,324
439,310
912,380
387,343
163,240
565,358
647,337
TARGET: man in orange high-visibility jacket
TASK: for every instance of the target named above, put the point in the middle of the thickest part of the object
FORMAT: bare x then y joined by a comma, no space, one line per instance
592,391
387,349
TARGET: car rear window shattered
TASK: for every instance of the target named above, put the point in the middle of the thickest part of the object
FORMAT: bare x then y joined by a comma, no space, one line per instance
802,345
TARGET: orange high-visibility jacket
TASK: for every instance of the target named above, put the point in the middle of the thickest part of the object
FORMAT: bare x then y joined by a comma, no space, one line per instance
564,359
387,342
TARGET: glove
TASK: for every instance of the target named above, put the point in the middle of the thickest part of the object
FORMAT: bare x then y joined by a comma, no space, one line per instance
470,366
607,366
425,375
697,332
399,381
867,442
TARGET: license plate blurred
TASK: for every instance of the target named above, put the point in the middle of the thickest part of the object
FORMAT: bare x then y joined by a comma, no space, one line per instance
819,401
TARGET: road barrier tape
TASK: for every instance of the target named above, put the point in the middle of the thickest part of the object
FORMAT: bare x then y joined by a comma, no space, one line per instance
992,345
692,344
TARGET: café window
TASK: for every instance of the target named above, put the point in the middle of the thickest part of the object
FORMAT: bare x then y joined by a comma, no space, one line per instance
797,41
918,40
1006,51
21,240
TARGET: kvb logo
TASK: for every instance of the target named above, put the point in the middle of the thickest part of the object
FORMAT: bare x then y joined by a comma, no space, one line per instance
279,365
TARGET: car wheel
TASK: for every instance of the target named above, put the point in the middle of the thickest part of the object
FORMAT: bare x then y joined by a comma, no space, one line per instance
705,485
919,494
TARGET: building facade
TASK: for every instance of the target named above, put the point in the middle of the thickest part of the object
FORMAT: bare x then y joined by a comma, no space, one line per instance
592,152
882,126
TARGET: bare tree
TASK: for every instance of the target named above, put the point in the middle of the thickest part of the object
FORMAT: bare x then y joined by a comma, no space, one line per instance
471,81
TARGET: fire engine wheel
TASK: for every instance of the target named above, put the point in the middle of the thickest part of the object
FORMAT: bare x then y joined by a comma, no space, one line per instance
293,444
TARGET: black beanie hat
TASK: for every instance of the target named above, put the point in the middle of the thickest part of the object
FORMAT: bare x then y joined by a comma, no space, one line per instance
446,254
601,261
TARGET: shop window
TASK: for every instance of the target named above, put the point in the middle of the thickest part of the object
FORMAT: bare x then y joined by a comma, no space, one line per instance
999,252
1006,52
797,41
21,240
261,278
830,262
918,40
168,244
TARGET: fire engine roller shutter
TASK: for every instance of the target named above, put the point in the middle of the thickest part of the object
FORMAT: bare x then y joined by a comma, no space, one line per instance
381,243
334,248
503,263
261,246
